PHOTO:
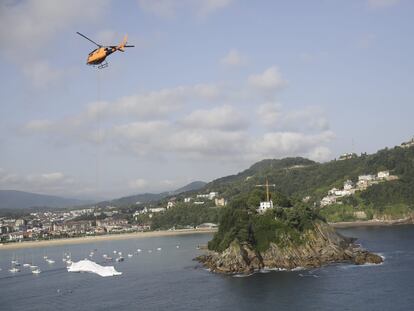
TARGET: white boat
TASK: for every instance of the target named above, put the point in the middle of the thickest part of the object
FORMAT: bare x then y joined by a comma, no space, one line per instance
36,271
159,248
50,261
44,257
139,250
120,253
33,267
130,255
119,259
14,270
26,265
115,252
178,246
69,262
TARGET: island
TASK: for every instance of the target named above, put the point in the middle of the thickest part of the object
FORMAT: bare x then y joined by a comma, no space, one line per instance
278,238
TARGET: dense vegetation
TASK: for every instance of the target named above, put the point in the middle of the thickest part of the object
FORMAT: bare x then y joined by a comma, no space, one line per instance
181,216
299,177
240,221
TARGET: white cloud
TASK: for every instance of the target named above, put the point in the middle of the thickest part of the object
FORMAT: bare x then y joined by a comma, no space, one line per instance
170,8
224,118
41,73
270,80
382,3
311,118
282,144
234,59
138,184
179,123
50,182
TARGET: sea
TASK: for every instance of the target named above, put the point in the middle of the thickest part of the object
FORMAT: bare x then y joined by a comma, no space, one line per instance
164,276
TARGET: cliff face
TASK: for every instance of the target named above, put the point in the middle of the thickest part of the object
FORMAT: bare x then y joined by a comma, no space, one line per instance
322,246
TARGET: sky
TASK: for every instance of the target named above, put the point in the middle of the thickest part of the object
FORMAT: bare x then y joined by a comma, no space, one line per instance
211,87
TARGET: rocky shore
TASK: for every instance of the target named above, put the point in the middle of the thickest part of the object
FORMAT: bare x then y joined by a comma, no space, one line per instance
321,246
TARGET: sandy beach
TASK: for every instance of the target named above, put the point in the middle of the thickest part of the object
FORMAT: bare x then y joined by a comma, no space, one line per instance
108,237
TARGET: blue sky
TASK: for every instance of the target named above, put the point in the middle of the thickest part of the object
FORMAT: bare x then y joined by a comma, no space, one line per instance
211,87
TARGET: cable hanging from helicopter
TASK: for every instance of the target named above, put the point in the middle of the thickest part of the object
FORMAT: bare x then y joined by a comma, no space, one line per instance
98,56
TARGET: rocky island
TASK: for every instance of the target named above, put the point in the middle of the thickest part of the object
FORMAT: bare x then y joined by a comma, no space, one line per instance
280,238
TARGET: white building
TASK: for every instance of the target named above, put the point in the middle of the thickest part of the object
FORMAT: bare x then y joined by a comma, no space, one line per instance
212,195
383,174
264,206
187,200
328,200
199,202
170,204
220,202
367,177
348,185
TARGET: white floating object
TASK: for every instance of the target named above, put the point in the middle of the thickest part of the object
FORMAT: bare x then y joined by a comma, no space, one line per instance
36,271
119,259
120,253
14,270
115,252
69,262
92,267
33,267
26,265
159,248
50,261
130,255
44,257
139,250
178,246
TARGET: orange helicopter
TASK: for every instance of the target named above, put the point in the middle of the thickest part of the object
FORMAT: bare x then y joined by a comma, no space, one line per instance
98,56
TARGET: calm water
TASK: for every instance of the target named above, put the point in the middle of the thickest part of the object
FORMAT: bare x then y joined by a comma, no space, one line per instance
170,280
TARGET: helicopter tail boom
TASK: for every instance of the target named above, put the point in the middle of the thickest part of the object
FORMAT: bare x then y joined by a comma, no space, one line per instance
121,47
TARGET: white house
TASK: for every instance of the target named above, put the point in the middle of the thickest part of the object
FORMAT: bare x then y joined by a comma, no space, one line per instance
170,204
212,195
383,174
348,185
264,206
187,200
328,200
367,177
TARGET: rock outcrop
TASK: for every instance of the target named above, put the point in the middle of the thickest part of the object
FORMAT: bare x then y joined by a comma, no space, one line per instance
320,246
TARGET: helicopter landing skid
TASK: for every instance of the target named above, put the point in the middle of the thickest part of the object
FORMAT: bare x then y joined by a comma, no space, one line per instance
103,65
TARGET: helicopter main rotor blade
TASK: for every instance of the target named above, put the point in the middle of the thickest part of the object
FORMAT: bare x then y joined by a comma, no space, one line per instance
89,39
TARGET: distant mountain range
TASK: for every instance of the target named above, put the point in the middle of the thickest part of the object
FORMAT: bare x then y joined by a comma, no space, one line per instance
13,199
152,197
19,200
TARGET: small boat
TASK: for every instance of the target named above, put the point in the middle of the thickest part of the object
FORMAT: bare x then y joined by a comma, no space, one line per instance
120,253
159,248
33,267
14,270
139,250
36,271
115,252
120,259
69,262
26,265
130,255
45,257
50,261
178,246
64,259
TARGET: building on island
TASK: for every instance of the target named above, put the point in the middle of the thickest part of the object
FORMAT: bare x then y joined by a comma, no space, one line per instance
408,144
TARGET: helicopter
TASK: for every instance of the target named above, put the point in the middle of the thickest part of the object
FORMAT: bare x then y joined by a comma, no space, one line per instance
98,56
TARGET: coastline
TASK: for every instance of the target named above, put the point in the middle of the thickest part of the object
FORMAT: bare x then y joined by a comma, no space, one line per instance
369,223
107,237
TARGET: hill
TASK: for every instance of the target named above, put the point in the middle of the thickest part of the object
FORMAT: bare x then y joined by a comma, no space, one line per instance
296,178
13,199
152,197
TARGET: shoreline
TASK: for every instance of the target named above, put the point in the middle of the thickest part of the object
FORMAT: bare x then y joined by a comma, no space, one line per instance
98,238
371,223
